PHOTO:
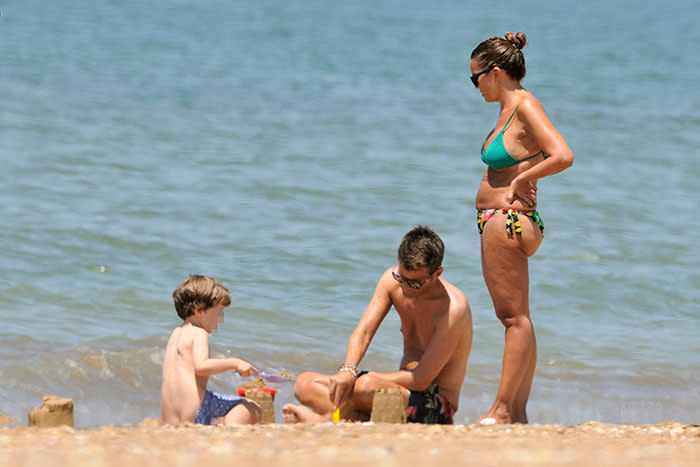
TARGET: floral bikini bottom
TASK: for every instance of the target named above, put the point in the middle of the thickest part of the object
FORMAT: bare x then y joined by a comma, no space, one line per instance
512,220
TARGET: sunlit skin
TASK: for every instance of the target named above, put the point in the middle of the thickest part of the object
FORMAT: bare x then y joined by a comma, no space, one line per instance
437,335
187,367
504,257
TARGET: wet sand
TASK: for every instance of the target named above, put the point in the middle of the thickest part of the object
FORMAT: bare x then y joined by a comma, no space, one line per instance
151,444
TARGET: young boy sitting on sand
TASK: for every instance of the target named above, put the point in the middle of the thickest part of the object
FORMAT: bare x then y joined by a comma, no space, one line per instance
200,301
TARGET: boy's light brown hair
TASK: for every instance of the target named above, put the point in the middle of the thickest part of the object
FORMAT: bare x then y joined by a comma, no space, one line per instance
199,291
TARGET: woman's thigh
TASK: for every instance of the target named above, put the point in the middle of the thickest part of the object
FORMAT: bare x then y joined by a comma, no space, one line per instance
505,266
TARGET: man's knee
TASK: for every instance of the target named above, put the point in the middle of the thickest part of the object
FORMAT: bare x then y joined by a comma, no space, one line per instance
305,390
366,384
302,383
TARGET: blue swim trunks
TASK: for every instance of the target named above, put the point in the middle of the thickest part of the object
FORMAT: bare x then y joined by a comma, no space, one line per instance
215,405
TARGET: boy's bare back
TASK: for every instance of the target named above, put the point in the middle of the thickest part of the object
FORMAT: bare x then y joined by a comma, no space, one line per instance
200,302
183,391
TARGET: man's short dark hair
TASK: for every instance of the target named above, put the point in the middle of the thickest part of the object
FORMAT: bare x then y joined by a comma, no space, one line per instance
421,248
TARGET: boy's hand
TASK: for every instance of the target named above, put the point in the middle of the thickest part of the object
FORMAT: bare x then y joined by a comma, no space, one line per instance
245,368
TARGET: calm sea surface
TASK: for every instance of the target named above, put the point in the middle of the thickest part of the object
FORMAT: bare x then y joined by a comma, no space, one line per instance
284,147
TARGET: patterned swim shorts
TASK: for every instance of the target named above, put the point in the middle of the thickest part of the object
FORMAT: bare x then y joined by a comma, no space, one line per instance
215,405
429,407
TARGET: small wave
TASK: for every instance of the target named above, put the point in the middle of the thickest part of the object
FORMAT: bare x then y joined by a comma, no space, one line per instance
584,257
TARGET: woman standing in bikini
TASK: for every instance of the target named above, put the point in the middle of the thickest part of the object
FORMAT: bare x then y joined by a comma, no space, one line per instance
522,148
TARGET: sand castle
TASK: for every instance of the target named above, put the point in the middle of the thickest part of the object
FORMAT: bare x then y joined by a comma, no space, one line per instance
259,392
54,411
388,406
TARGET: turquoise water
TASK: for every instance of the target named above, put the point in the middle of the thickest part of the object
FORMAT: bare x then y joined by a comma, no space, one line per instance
285,147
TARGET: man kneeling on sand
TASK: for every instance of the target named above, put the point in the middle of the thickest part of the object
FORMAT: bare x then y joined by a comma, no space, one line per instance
437,336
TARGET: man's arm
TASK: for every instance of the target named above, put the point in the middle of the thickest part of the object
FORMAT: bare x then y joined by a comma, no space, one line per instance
205,366
448,331
374,314
380,304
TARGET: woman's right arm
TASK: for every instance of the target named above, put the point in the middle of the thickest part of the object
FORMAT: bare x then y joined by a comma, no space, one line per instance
548,139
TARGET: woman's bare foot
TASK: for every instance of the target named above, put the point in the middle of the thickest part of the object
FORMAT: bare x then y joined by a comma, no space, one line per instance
498,415
292,413
520,417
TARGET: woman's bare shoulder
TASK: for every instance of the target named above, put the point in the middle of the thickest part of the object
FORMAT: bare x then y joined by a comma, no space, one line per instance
529,105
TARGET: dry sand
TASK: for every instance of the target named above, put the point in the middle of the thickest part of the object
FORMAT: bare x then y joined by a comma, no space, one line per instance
352,444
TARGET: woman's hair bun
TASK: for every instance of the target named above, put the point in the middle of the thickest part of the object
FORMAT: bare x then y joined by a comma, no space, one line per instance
517,39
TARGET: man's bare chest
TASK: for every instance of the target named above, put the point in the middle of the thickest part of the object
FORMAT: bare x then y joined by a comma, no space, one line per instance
417,327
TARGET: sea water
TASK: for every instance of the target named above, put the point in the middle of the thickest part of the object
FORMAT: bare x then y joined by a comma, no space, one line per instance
285,147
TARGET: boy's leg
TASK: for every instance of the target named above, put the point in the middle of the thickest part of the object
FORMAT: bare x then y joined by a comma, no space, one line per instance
246,412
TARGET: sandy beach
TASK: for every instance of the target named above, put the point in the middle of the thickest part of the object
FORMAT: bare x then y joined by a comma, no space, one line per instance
151,444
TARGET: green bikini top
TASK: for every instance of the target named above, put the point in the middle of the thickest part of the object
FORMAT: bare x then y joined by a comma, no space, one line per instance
496,156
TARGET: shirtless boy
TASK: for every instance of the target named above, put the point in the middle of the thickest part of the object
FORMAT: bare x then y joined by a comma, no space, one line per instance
437,336
200,301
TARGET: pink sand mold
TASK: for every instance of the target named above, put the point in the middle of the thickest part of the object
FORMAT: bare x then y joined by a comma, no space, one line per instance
272,378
